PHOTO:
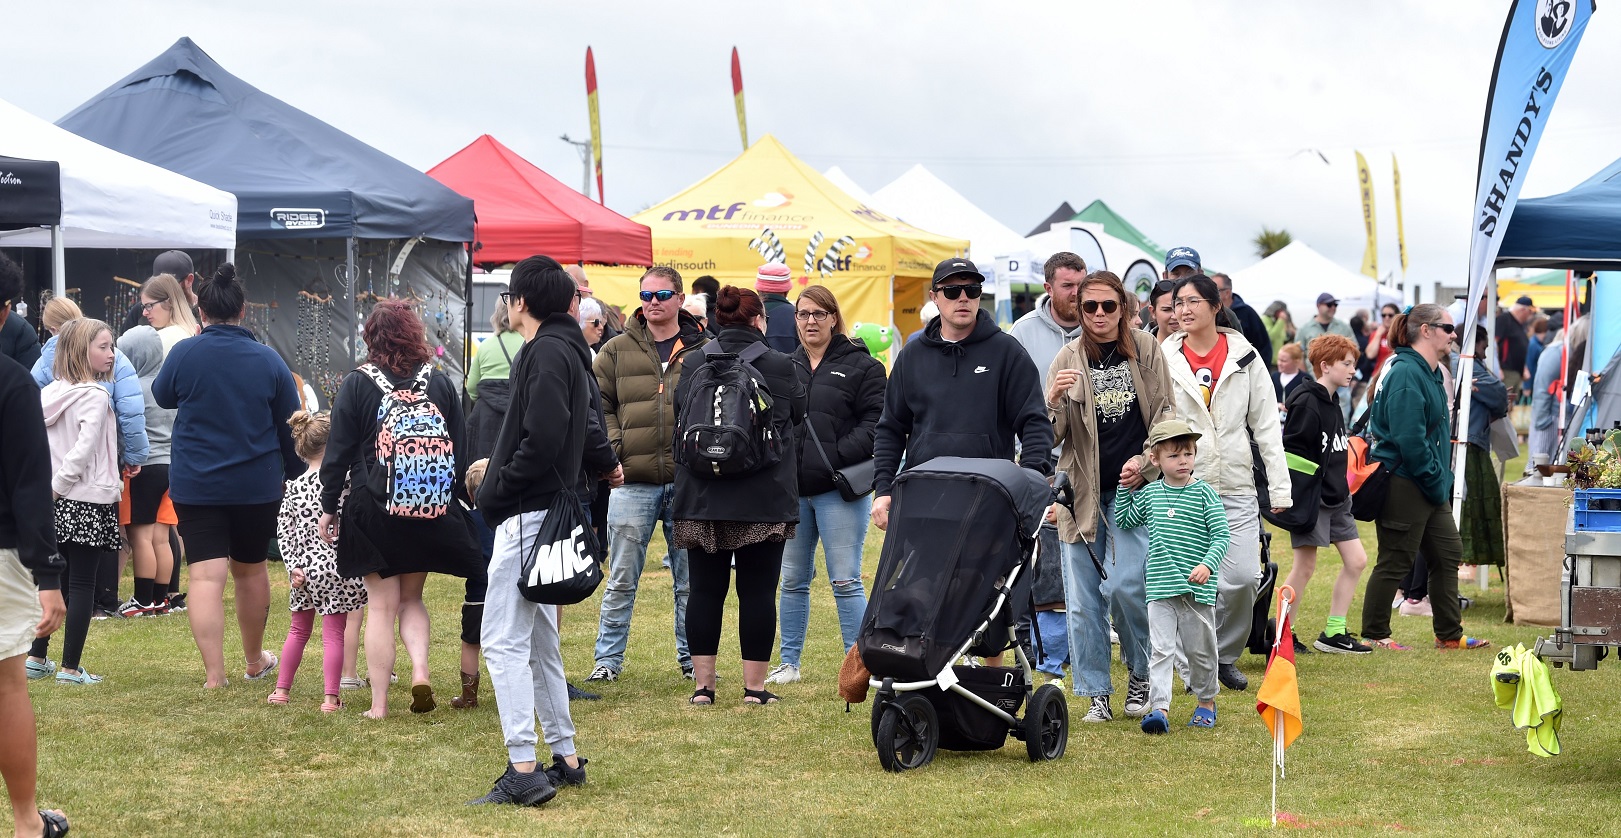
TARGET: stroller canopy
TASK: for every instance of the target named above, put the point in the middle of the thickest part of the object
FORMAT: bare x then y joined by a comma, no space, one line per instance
1028,490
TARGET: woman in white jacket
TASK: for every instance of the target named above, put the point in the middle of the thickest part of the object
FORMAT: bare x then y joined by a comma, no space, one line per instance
85,481
1220,386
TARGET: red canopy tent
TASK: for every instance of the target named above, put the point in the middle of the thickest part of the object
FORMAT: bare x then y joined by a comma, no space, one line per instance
522,211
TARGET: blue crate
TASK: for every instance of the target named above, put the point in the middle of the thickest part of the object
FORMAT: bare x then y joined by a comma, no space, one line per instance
1596,520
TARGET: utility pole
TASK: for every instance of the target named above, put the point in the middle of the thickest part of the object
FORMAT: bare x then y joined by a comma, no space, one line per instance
584,148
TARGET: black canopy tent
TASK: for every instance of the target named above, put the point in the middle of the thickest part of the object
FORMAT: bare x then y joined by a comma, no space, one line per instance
326,225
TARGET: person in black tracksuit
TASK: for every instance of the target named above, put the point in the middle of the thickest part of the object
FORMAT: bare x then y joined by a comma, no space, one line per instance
746,519
1314,432
844,388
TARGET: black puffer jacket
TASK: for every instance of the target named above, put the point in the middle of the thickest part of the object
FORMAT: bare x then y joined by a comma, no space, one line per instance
770,496
844,398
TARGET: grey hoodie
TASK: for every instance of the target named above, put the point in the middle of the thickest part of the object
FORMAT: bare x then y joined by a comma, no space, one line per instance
144,349
1042,336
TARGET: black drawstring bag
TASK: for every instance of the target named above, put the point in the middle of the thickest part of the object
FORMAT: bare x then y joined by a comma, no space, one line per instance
565,564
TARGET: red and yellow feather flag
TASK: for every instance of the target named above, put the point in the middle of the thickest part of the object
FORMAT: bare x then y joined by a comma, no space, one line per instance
596,121
1278,699
737,98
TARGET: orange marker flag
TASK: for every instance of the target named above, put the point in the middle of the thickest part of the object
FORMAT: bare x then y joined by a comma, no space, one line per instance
737,97
1278,699
596,122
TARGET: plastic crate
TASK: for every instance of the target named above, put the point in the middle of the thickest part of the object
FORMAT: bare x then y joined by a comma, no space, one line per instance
1588,519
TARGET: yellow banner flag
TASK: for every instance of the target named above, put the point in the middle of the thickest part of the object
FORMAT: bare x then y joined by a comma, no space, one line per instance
1401,239
1370,256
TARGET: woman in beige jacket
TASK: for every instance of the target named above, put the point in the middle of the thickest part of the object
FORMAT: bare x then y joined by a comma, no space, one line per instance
1105,389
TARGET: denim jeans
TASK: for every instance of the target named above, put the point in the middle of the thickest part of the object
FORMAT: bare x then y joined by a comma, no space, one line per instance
1124,554
633,510
1054,628
842,528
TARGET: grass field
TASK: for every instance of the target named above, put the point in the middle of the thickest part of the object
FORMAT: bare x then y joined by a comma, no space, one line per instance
1393,743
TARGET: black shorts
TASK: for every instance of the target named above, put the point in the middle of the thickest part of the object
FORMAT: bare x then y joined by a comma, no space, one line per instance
146,494
241,532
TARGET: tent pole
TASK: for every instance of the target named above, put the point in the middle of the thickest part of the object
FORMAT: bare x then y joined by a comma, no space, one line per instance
467,319
230,255
354,286
59,263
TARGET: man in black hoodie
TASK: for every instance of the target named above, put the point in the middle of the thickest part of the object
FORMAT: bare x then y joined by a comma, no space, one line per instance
537,455
966,389
30,572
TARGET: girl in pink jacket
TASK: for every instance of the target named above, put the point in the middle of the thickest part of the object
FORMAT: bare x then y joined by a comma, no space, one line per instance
85,481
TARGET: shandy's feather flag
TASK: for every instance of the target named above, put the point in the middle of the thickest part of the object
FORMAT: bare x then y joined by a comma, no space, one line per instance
737,99
596,121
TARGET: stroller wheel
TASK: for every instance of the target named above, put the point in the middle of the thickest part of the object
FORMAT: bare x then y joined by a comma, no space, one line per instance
908,733
878,705
1046,724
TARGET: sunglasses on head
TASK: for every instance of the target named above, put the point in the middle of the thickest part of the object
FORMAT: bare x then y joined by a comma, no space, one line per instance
1108,306
663,295
952,292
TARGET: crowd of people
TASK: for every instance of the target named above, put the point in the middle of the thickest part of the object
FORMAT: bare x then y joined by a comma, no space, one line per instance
184,441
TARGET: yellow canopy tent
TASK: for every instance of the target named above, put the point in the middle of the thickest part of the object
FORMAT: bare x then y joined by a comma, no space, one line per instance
768,206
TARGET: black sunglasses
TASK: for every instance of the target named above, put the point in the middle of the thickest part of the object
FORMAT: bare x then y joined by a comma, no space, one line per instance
1445,327
952,292
663,295
1092,306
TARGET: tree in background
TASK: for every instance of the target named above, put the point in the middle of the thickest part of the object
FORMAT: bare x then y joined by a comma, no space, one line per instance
1270,241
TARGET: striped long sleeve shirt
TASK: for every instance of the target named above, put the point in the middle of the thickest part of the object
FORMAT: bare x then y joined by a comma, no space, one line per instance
1186,527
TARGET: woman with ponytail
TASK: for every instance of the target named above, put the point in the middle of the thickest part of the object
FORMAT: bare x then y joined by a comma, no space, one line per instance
231,451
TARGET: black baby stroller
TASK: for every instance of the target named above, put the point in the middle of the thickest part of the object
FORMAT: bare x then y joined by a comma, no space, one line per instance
954,580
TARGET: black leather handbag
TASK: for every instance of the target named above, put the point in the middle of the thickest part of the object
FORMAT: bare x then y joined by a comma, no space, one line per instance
854,482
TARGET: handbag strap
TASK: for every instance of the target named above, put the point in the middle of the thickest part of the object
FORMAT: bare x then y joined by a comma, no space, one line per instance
811,426
503,344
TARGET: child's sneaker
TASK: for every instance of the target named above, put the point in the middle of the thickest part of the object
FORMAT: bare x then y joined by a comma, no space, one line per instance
1465,642
135,608
1099,711
1136,697
1155,722
1300,648
561,775
517,789
1342,644
605,674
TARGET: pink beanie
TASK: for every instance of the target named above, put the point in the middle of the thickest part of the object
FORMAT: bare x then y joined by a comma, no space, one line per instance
773,278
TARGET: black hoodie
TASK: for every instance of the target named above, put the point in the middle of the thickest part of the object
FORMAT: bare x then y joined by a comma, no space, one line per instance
26,520
1315,430
971,398
542,441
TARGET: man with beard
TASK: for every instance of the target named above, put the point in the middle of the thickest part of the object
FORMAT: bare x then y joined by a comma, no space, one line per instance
1242,317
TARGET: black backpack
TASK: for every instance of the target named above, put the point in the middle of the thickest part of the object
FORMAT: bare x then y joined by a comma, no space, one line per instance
725,426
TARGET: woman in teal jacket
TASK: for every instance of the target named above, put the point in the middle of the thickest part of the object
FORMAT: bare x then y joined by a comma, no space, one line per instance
1411,428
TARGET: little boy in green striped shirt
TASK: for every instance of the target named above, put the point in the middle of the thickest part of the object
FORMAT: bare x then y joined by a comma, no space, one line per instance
1187,539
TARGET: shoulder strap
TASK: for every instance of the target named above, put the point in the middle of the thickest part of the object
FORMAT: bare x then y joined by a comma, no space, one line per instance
376,375
503,344
754,352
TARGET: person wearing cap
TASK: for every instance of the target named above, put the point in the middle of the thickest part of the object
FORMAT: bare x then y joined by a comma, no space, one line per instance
176,263
1222,389
773,282
1187,542
1181,262
1513,342
1325,323
1105,391
964,389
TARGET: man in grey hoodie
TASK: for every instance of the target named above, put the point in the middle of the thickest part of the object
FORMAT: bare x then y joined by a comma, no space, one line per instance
150,547
1055,321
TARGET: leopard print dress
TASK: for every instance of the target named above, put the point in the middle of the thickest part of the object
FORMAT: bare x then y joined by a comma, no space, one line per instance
325,590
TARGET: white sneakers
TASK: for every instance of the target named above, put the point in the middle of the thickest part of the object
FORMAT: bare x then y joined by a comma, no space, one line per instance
784,674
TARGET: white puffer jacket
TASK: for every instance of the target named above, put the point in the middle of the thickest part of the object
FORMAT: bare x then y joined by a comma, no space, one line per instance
1243,403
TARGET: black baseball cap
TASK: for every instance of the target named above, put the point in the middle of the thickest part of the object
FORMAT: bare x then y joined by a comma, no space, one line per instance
174,262
955,266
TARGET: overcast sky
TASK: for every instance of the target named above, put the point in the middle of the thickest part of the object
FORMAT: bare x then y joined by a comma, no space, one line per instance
1186,117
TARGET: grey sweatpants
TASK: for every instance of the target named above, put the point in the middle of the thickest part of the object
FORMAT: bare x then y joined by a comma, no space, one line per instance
1235,585
522,650
1194,625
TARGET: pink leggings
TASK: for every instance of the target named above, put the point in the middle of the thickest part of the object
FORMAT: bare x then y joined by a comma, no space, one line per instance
298,634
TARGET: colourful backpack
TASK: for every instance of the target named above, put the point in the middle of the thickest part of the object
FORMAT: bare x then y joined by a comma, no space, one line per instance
415,472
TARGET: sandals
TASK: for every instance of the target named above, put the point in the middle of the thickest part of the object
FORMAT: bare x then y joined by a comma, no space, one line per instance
56,824
264,668
1204,717
331,706
1464,642
1387,644
422,698
705,693
760,696
277,697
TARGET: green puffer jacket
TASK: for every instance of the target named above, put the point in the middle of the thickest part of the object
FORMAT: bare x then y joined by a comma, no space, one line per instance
638,397
1410,426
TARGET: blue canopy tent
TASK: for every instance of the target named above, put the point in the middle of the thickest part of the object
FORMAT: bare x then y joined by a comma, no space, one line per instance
326,224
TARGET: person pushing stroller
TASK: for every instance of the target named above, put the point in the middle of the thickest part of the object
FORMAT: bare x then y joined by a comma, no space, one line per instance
1187,539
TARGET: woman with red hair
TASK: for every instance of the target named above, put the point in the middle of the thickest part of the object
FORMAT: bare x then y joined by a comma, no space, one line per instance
404,518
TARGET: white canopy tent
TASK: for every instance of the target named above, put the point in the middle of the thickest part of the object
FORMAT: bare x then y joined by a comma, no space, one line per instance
111,200
1023,263
923,200
851,188
1297,275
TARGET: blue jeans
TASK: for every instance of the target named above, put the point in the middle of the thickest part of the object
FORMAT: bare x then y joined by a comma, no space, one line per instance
842,528
1124,554
1054,629
633,510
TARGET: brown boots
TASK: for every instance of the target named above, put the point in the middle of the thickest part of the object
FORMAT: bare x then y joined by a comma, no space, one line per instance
469,697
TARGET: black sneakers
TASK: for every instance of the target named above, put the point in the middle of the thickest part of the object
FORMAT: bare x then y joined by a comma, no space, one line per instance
561,775
1300,648
530,789
1341,644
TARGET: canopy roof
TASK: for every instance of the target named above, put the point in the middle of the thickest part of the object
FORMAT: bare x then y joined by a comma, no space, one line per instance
522,211
1576,230
849,186
1297,274
293,175
101,198
1098,212
924,199
1064,213
1025,263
